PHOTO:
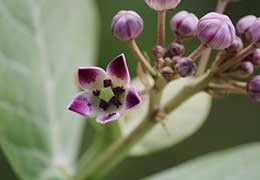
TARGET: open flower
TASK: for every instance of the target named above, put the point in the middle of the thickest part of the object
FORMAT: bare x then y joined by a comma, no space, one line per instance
107,94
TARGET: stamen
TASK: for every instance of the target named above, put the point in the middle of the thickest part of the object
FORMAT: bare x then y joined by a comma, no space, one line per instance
115,102
103,105
107,82
96,93
118,90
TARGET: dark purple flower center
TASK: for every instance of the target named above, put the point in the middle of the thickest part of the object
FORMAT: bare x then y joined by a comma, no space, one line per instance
115,100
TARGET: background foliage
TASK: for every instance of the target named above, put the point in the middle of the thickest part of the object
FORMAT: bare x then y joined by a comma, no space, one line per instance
232,121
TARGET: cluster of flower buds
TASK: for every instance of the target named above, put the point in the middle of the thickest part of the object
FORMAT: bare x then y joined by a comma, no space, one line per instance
108,94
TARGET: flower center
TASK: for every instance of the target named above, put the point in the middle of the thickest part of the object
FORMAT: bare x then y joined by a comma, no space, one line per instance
109,95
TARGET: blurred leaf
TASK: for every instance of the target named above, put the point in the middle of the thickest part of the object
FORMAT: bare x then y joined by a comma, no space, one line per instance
180,124
41,45
240,163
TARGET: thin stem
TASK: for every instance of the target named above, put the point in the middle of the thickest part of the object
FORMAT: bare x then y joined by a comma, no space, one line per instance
237,58
203,63
161,16
221,6
197,52
140,57
228,88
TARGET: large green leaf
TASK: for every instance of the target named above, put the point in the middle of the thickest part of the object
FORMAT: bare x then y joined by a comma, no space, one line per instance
240,163
42,42
180,124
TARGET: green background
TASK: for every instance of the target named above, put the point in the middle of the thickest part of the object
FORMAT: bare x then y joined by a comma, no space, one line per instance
233,121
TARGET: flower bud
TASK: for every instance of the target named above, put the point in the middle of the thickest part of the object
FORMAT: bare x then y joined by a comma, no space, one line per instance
253,33
246,69
253,88
162,5
244,24
256,57
184,24
216,31
167,73
158,51
127,25
185,67
236,46
176,49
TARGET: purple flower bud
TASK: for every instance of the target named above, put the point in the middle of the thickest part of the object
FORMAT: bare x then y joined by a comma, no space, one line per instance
253,88
236,46
256,57
159,51
162,5
185,67
253,33
176,49
127,25
216,31
244,24
184,24
167,73
246,69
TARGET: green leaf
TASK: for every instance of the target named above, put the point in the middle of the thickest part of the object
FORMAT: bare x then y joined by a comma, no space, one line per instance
42,42
180,124
240,163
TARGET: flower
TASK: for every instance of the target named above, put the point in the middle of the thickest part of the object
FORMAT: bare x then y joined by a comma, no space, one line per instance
127,25
184,24
253,88
236,46
244,24
256,57
253,33
107,94
246,69
216,31
185,66
176,49
162,5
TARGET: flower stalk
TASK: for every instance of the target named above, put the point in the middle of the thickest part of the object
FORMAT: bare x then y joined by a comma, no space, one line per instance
140,57
161,16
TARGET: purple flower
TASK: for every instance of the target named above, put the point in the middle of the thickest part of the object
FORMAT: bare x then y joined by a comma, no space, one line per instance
127,25
107,94
162,5
253,88
184,24
244,24
185,66
253,33
236,46
246,69
216,31
256,57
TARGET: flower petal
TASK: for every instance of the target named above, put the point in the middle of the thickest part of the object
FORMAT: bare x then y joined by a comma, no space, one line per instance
91,77
108,117
80,105
118,68
132,99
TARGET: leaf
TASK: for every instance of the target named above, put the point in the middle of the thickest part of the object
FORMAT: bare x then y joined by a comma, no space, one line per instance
240,163
42,42
180,124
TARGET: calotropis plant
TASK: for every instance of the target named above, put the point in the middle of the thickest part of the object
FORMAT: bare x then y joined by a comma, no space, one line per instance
108,94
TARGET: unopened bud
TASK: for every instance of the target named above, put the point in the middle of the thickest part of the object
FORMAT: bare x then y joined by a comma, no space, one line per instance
216,31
